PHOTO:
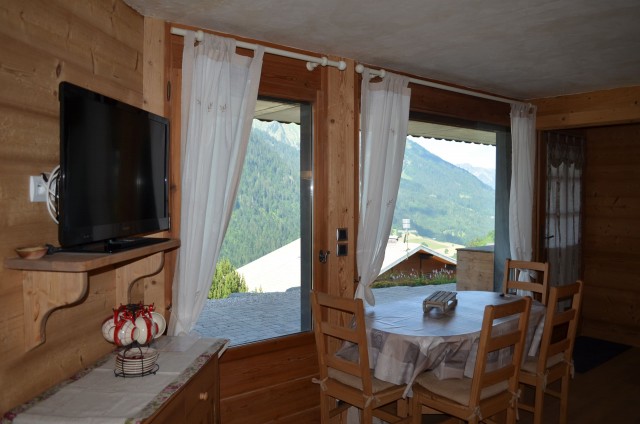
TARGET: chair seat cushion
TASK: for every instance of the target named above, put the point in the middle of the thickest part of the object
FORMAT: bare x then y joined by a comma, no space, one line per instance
530,365
456,389
356,382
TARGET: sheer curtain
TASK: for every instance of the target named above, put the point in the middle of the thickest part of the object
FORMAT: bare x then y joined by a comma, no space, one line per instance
565,162
523,133
384,122
220,90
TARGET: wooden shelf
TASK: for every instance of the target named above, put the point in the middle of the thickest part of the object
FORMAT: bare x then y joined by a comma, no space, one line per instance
62,279
84,262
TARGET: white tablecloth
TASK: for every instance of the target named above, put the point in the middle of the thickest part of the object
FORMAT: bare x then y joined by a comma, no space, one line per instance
404,341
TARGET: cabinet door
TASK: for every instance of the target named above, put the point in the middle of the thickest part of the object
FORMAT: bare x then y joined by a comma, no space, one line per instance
202,413
173,411
201,395
197,402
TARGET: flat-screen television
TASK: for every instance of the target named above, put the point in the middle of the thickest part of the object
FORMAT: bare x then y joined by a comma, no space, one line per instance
113,182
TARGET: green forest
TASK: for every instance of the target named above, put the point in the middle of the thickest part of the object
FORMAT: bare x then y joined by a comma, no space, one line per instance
442,201
266,215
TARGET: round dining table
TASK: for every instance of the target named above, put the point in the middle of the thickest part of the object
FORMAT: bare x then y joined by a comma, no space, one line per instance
404,340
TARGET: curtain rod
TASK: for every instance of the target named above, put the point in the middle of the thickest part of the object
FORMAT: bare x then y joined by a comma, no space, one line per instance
381,73
312,61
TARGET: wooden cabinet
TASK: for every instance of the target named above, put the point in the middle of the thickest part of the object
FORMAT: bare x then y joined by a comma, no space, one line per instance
186,389
197,402
62,279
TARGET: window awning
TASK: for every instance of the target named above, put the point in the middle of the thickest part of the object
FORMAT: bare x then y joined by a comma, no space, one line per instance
267,110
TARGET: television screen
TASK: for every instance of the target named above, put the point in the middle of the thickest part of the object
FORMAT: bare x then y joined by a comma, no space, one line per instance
113,170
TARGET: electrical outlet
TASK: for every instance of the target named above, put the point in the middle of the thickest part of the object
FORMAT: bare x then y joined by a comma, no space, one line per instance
37,189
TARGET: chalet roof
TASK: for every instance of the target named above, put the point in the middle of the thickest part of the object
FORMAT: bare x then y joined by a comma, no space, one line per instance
280,270
276,271
397,252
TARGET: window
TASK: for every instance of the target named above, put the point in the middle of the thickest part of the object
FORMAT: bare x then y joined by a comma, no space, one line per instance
268,243
447,197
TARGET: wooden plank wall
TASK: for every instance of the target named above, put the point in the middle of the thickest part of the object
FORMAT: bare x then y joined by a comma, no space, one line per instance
270,381
611,232
95,44
611,235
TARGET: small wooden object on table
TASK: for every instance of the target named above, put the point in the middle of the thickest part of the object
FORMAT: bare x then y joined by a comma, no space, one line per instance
443,300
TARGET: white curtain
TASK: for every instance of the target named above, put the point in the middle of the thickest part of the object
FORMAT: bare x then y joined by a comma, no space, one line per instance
523,137
565,162
384,122
220,90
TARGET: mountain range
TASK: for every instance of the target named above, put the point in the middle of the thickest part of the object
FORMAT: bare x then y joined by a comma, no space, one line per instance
443,201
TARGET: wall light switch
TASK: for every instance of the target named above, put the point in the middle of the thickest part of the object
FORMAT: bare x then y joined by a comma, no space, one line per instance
37,189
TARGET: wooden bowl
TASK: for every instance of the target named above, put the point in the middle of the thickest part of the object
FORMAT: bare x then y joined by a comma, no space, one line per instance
33,252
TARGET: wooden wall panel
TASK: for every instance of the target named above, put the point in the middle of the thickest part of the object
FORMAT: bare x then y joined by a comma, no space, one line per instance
154,70
271,380
607,107
339,159
611,234
611,205
455,105
63,39
95,44
611,313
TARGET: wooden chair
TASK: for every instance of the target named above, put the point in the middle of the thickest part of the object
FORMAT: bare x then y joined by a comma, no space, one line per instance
554,361
490,390
344,383
536,281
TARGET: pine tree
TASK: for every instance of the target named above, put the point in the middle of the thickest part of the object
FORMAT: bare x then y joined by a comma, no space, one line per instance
226,280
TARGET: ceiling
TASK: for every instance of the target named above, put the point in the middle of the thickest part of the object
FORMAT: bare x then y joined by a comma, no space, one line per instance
520,49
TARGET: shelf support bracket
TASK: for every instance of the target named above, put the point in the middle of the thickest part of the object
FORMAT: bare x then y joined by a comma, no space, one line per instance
128,275
45,292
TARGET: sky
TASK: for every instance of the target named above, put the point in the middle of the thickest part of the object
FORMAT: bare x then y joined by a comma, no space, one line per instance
478,155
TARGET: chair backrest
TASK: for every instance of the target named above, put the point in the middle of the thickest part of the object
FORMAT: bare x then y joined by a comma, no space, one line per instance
338,320
527,276
560,326
508,333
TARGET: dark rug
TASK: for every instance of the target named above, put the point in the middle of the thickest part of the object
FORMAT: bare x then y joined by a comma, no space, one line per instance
589,353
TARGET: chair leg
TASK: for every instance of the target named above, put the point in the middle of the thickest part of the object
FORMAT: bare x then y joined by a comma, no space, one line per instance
402,407
325,408
366,416
539,403
512,414
416,410
564,399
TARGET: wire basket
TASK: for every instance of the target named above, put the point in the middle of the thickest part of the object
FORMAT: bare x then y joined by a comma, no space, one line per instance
136,361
